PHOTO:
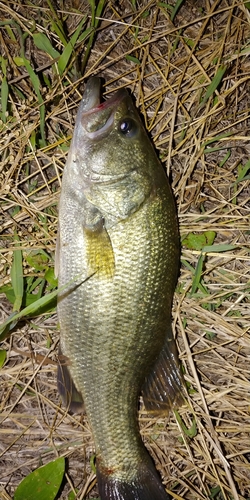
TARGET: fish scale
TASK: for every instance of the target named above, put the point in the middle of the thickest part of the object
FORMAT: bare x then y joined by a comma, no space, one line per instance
122,254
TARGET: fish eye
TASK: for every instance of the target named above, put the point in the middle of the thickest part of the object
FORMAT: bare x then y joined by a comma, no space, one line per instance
128,127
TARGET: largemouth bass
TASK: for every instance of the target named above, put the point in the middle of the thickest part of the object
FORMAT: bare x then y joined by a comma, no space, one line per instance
118,260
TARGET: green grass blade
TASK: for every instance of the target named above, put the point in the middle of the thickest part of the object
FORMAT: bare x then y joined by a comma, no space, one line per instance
176,8
3,356
65,56
4,98
36,84
214,83
99,8
192,431
37,283
22,61
242,172
225,158
96,12
199,268
198,273
219,248
4,90
35,307
16,274
216,138
58,30
85,34
56,24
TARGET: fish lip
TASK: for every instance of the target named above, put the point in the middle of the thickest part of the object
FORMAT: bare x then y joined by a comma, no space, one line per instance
91,96
97,117
111,102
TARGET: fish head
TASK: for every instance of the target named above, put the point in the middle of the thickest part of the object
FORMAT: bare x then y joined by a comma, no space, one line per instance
111,162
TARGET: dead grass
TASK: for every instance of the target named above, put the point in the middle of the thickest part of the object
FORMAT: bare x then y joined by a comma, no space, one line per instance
203,141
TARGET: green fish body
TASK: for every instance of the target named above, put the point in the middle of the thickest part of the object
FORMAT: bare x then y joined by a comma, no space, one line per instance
118,261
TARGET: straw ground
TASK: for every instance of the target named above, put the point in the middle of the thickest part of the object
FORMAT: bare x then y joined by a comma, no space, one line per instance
189,71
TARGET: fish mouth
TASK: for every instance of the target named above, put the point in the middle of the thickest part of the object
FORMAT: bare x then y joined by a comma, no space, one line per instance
97,117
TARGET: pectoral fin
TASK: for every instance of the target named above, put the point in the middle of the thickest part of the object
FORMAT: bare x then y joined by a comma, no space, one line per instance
72,399
100,255
164,389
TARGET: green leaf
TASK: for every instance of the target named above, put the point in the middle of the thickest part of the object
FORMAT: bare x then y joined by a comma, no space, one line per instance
16,274
133,59
37,259
133,3
18,61
46,81
72,495
28,298
42,483
210,335
3,355
196,241
10,33
50,277
43,43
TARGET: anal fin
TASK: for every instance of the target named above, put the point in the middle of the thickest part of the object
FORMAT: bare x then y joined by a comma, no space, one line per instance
163,389
71,397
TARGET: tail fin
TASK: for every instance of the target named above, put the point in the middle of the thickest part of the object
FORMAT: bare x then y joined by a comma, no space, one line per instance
146,485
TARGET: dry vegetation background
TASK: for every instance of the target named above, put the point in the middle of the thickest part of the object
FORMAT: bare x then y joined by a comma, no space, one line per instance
190,77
